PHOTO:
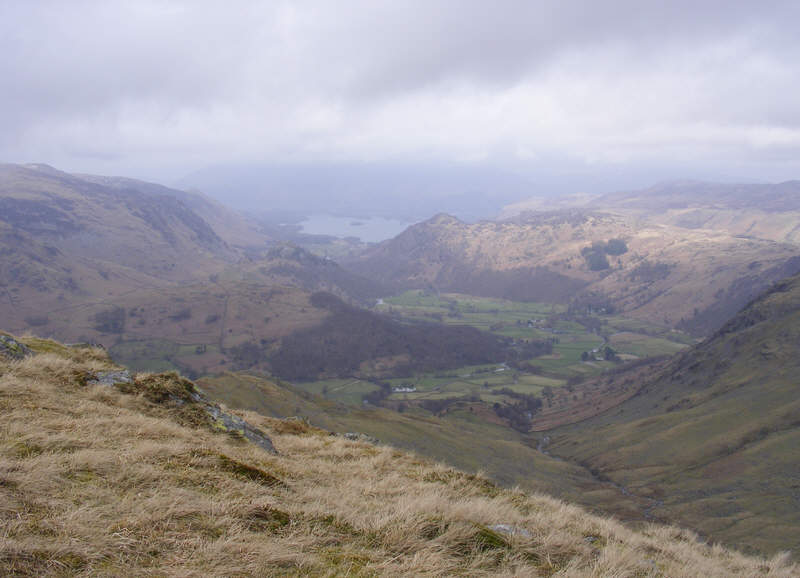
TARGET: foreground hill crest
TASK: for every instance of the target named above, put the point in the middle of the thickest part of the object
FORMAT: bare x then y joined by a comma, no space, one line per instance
99,480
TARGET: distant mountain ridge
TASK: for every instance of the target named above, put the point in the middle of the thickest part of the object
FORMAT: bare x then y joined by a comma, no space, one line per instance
777,197
757,210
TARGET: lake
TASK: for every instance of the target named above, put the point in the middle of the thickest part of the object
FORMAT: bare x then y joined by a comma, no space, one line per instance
369,230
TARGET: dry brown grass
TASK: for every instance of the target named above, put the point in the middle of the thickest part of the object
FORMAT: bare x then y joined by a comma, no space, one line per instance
94,481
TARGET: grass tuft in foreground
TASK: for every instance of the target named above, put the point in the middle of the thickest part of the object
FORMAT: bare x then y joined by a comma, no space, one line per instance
98,481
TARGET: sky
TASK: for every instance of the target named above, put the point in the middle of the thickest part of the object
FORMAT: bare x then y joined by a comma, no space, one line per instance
575,94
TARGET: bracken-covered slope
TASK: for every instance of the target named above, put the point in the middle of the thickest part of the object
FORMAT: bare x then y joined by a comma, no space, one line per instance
695,279
100,480
713,438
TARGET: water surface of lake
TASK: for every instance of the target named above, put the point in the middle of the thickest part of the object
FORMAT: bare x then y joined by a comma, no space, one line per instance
369,230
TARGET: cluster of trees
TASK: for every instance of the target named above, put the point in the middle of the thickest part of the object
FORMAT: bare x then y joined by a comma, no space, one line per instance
530,348
650,272
589,303
249,353
377,396
110,321
522,284
182,314
520,412
595,255
607,353
351,336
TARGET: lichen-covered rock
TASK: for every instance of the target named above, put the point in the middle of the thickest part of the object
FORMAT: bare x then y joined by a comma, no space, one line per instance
190,403
360,437
230,422
110,378
10,348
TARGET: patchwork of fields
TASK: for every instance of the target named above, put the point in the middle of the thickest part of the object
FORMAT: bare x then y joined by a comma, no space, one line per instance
572,336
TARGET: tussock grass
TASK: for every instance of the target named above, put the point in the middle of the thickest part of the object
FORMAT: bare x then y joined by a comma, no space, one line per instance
97,481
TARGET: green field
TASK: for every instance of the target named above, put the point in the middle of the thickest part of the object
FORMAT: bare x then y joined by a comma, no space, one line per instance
500,316
636,344
520,321
349,391
156,355
541,321
516,320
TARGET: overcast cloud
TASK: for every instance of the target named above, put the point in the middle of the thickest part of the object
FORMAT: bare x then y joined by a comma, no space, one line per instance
158,89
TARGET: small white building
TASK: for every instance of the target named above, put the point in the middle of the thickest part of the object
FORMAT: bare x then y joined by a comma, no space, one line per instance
404,389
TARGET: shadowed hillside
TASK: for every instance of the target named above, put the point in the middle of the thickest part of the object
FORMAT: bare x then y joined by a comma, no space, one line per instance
141,226
70,241
713,438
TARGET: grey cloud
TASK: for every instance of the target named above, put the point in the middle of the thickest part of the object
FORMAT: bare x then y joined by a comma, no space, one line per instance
160,83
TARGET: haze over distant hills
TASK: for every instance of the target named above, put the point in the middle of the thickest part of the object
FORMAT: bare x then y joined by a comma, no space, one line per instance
393,190
763,210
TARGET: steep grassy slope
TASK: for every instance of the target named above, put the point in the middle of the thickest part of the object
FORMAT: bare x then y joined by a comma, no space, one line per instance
659,273
136,225
69,241
714,438
98,481
457,438
232,227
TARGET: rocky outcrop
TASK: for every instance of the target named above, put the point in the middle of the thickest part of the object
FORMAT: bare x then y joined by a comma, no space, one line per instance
110,378
360,437
10,348
232,423
174,391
